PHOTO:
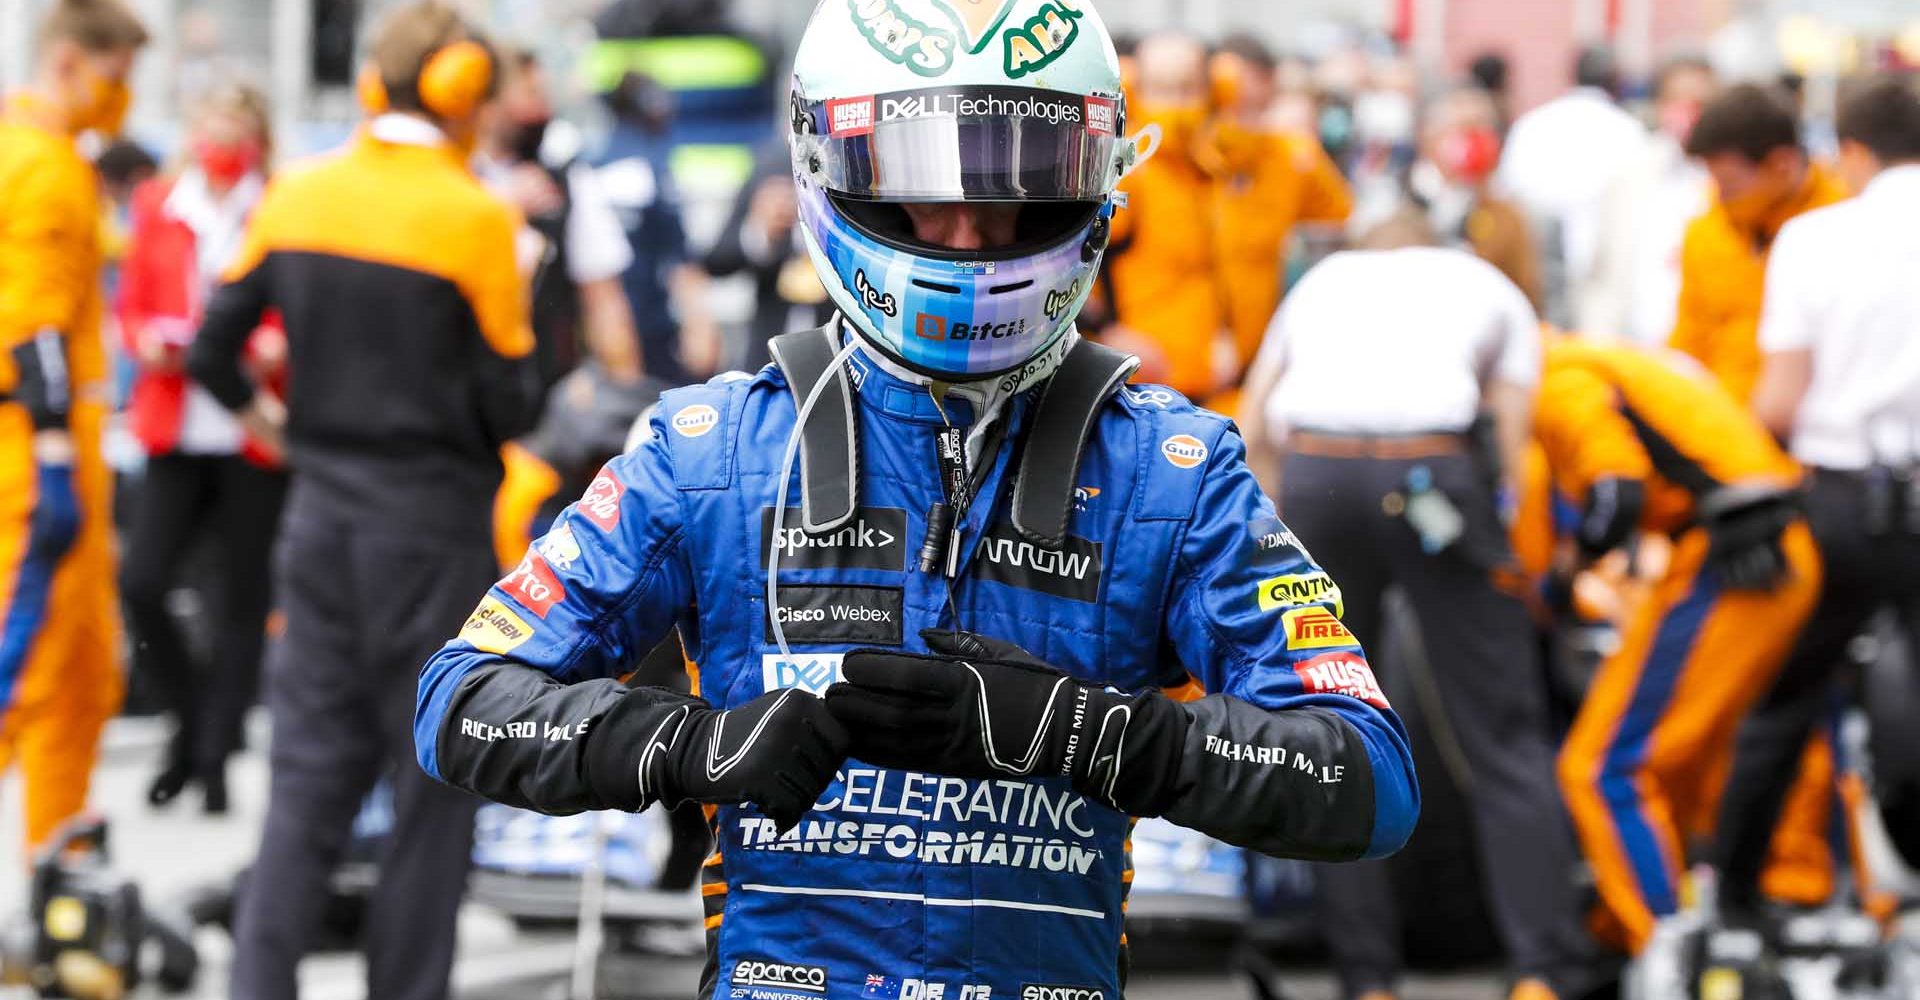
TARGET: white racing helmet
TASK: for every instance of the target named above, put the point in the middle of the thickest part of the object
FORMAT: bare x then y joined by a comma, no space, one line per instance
898,101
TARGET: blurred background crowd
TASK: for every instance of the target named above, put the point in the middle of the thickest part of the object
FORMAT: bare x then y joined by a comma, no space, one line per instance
1358,217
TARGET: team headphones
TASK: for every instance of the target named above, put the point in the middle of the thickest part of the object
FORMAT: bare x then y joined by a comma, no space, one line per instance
452,84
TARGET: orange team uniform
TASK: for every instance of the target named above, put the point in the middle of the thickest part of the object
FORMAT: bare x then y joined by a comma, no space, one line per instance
1723,275
60,678
1201,249
1642,767
1265,185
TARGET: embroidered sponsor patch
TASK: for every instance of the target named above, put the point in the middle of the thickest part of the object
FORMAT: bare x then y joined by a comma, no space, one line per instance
810,672
840,614
1316,628
1342,673
696,420
1072,572
1299,589
533,585
601,504
1184,450
492,628
874,539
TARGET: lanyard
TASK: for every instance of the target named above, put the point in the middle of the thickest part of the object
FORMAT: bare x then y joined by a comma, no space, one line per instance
944,518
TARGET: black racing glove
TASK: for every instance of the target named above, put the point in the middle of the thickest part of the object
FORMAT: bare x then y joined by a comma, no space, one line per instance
982,708
1612,511
778,752
41,384
1744,548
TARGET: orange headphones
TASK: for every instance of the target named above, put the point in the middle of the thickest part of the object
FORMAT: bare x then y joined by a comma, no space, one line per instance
452,83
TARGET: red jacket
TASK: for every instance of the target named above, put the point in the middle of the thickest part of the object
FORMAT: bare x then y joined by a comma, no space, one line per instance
160,284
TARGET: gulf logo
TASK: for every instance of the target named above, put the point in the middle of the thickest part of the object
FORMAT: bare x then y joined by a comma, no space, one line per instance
1184,450
696,420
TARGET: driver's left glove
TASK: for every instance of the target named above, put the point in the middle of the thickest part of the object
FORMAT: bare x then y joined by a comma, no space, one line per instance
982,708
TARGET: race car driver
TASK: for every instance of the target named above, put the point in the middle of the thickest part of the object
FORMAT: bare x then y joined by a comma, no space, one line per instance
1038,602
1649,441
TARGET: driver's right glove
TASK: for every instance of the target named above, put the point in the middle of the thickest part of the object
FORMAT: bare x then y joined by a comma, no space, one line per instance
778,752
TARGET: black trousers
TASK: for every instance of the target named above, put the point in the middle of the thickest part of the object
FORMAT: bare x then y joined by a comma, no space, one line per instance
1865,573
365,608
1479,641
233,507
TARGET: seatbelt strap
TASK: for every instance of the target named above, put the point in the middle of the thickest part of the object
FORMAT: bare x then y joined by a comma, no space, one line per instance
1043,493
830,442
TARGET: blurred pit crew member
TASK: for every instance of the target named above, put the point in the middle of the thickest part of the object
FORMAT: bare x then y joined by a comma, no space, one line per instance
1841,383
1636,287
1459,149
205,479
1369,399
394,273
1267,185
580,309
993,585
60,676
1645,441
1749,140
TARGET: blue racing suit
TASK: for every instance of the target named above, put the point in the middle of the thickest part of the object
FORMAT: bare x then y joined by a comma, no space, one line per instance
1176,575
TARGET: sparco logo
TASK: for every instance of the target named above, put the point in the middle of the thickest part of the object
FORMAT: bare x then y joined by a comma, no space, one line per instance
806,978
1036,991
1072,572
873,298
874,539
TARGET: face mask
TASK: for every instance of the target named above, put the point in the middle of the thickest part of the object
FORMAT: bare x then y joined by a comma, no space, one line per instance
524,140
1468,155
1180,126
226,164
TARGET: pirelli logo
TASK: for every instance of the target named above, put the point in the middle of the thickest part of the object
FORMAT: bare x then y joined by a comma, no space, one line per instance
1316,628
1300,589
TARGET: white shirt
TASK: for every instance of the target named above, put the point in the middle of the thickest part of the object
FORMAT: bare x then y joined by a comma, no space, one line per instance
1636,288
1844,283
219,227
1560,159
1396,342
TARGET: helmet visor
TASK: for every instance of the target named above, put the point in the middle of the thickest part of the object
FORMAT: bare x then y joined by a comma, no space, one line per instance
964,144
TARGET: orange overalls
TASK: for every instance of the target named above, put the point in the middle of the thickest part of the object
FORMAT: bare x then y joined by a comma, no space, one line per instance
1265,184
1201,247
1723,277
1643,765
60,677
